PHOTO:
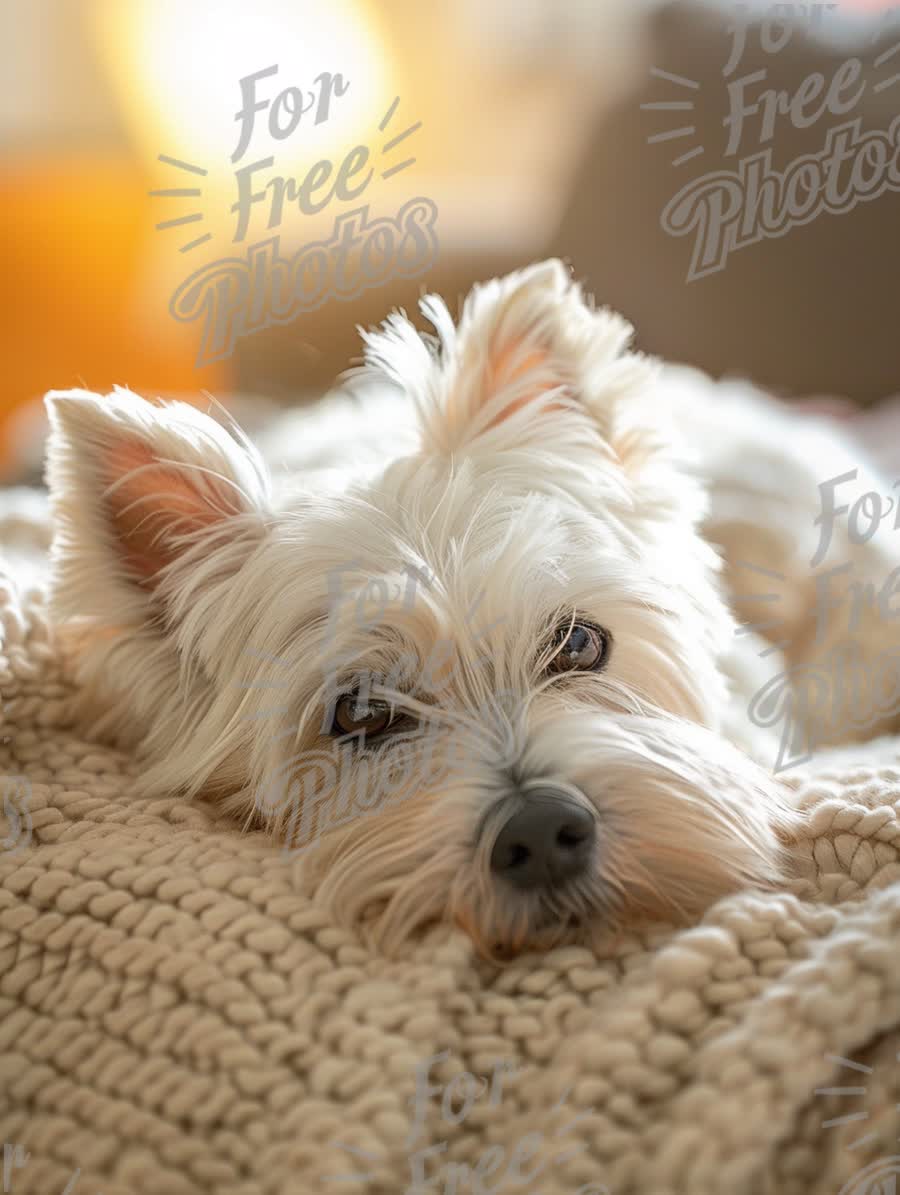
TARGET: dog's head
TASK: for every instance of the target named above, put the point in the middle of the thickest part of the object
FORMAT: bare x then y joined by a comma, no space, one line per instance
479,684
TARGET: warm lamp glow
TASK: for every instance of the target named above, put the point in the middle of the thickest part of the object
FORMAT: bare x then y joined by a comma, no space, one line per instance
226,163
177,69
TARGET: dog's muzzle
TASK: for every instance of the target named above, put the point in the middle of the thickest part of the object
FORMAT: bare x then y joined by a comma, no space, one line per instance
547,840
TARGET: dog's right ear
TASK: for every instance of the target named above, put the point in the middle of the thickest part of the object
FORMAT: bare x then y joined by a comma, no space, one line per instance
145,497
528,346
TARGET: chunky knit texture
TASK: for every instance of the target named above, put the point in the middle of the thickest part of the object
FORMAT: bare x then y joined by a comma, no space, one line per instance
175,1018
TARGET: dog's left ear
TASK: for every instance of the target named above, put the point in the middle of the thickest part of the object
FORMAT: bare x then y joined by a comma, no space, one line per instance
527,346
140,490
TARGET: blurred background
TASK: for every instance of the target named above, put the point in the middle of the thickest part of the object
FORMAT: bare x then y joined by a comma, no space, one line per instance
531,126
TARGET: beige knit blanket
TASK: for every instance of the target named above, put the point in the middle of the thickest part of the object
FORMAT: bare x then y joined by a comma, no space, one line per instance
175,1018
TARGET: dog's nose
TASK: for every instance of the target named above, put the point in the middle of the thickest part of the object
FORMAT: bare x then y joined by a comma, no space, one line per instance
547,840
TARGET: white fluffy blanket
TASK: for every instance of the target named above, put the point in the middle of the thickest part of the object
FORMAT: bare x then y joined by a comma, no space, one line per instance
174,1018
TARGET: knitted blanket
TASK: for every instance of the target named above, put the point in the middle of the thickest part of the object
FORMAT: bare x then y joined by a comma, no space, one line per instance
175,1018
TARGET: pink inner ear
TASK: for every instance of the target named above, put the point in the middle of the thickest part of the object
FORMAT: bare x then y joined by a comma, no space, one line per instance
153,503
501,374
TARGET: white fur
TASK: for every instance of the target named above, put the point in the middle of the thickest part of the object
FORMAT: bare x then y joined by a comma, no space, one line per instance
528,466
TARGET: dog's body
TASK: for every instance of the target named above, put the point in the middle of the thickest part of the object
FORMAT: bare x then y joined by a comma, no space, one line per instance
482,608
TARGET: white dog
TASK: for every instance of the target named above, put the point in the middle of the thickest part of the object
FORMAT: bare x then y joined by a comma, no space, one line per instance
483,615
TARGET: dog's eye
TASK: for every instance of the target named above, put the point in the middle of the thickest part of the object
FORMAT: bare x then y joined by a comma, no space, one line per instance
354,714
580,647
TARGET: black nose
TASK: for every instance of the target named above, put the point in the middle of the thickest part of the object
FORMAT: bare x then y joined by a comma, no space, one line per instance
547,840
